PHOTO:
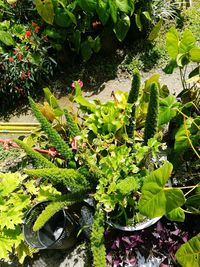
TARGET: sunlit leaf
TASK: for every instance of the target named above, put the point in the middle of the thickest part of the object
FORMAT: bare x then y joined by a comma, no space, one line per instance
6,38
176,215
172,43
188,255
156,199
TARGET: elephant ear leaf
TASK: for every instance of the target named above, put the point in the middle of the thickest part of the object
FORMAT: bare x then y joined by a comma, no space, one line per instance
189,253
157,199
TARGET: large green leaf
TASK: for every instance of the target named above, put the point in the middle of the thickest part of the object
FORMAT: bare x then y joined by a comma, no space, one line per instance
121,27
154,32
156,199
45,10
176,215
87,5
123,5
63,17
171,66
195,54
113,10
187,42
102,10
181,139
193,203
188,255
167,109
172,43
6,38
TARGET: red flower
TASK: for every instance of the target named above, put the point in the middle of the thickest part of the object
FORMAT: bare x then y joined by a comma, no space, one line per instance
29,73
27,34
34,24
80,83
37,29
23,75
11,59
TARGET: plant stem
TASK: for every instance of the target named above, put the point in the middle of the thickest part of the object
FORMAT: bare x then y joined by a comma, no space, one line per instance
191,189
186,211
188,137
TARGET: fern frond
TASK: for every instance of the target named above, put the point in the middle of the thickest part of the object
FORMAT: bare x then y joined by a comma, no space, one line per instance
70,178
72,126
132,99
97,240
54,207
151,122
53,135
36,156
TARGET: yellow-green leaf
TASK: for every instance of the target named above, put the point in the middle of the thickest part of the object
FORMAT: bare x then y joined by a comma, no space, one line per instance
188,255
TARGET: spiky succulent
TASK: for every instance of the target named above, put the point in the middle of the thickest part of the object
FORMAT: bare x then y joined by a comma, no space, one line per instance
53,135
72,126
132,99
39,160
151,122
70,178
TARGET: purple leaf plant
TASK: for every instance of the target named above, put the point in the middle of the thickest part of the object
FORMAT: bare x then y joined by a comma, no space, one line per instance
161,240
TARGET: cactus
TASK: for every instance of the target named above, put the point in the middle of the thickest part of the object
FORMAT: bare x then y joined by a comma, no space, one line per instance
132,99
39,160
54,137
72,126
151,122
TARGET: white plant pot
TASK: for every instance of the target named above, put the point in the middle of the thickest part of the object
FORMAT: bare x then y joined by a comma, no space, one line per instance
136,227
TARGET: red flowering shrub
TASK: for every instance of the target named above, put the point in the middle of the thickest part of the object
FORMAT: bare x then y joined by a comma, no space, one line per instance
25,64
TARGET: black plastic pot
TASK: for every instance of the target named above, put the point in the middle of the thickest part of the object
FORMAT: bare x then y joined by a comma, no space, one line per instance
59,232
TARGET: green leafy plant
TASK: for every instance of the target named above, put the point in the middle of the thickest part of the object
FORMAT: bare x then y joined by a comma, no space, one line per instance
17,195
91,20
183,51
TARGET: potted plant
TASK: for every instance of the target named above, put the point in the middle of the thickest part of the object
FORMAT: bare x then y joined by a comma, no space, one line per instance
104,157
